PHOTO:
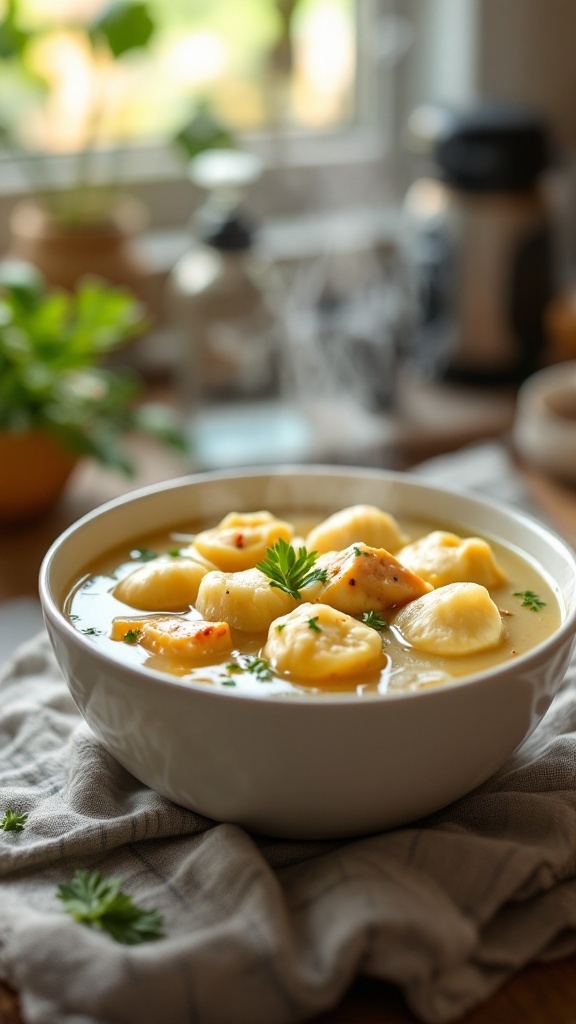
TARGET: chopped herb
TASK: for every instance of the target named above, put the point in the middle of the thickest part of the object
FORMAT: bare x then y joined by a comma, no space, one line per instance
92,631
12,822
259,667
374,620
143,554
530,600
313,623
226,681
358,552
290,571
132,636
175,553
100,903
73,618
279,627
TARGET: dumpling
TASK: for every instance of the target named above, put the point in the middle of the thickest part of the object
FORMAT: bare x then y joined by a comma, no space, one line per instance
460,618
162,585
240,540
315,642
186,641
442,557
363,579
358,523
243,599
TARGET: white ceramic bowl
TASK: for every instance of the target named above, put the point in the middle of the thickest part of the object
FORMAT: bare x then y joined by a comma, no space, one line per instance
307,767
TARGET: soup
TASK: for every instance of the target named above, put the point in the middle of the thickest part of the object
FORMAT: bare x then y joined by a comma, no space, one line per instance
277,606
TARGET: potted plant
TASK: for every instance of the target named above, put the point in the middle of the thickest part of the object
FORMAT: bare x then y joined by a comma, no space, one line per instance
88,225
59,400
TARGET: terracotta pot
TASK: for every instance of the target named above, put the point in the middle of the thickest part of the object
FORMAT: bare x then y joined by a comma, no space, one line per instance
34,470
66,252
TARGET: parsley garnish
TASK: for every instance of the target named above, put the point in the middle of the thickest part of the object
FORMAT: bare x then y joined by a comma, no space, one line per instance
530,600
374,620
313,623
259,667
143,554
100,903
175,553
12,822
132,636
92,631
290,571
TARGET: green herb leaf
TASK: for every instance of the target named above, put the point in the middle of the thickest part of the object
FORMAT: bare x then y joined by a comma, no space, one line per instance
259,667
123,26
91,631
143,554
313,623
12,822
290,571
132,636
99,903
374,620
530,600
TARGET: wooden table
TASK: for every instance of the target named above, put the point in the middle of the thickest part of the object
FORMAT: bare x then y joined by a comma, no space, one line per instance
540,993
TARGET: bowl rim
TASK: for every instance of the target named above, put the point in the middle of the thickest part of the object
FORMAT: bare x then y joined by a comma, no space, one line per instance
151,676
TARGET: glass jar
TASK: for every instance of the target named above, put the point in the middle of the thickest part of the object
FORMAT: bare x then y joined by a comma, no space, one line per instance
226,305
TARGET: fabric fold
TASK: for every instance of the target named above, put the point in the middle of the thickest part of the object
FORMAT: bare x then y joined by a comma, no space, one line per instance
260,931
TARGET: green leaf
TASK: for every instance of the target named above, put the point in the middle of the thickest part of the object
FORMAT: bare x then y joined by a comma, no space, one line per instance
100,903
258,667
23,282
203,131
143,554
289,571
12,822
123,26
530,600
13,38
374,620
132,636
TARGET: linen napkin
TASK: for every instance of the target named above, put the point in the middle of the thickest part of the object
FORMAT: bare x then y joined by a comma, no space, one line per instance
261,931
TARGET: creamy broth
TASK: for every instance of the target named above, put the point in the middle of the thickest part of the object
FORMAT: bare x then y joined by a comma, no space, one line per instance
92,608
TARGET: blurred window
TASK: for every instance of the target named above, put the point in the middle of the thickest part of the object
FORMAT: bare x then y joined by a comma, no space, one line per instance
257,63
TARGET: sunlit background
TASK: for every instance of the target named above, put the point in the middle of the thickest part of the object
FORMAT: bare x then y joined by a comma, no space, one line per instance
238,56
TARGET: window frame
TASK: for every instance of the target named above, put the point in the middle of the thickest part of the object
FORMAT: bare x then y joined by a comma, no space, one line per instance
155,173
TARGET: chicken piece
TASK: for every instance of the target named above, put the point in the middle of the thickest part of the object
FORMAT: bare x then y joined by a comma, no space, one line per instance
358,523
244,599
240,540
316,642
187,641
460,618
162,585
363,579
442,557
